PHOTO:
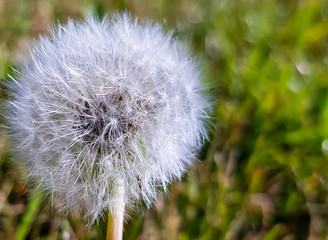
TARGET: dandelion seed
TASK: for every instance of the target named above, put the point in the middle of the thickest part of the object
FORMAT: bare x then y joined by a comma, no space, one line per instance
104,112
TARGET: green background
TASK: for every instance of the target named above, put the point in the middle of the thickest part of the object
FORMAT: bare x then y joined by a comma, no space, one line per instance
264,172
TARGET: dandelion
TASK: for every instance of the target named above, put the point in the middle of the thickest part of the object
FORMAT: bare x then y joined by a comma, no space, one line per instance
103,113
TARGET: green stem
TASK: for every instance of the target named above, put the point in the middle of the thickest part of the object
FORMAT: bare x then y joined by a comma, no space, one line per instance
28,217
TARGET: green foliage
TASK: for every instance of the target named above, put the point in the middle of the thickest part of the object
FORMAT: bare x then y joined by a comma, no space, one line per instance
264,173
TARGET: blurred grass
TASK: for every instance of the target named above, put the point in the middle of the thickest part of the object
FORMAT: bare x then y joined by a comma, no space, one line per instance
27,219
264,174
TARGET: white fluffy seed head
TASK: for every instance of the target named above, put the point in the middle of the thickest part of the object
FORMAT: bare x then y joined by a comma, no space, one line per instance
107,108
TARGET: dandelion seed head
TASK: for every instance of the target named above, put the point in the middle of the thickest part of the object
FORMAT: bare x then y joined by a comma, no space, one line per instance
103,108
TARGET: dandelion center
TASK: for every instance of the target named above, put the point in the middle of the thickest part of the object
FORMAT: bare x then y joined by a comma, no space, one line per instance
109,121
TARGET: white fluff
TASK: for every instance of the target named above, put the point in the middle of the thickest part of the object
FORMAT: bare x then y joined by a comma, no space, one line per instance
105,108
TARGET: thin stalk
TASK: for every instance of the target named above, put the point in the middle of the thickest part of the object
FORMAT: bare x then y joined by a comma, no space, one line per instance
115,222
115,226
110,228
28,217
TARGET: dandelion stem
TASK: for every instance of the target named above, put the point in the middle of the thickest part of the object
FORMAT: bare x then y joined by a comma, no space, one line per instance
115,217
110,227
115,223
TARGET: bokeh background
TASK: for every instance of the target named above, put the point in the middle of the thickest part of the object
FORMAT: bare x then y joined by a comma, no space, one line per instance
264,172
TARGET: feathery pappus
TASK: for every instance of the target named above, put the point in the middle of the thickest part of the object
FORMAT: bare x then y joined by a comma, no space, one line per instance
105,108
